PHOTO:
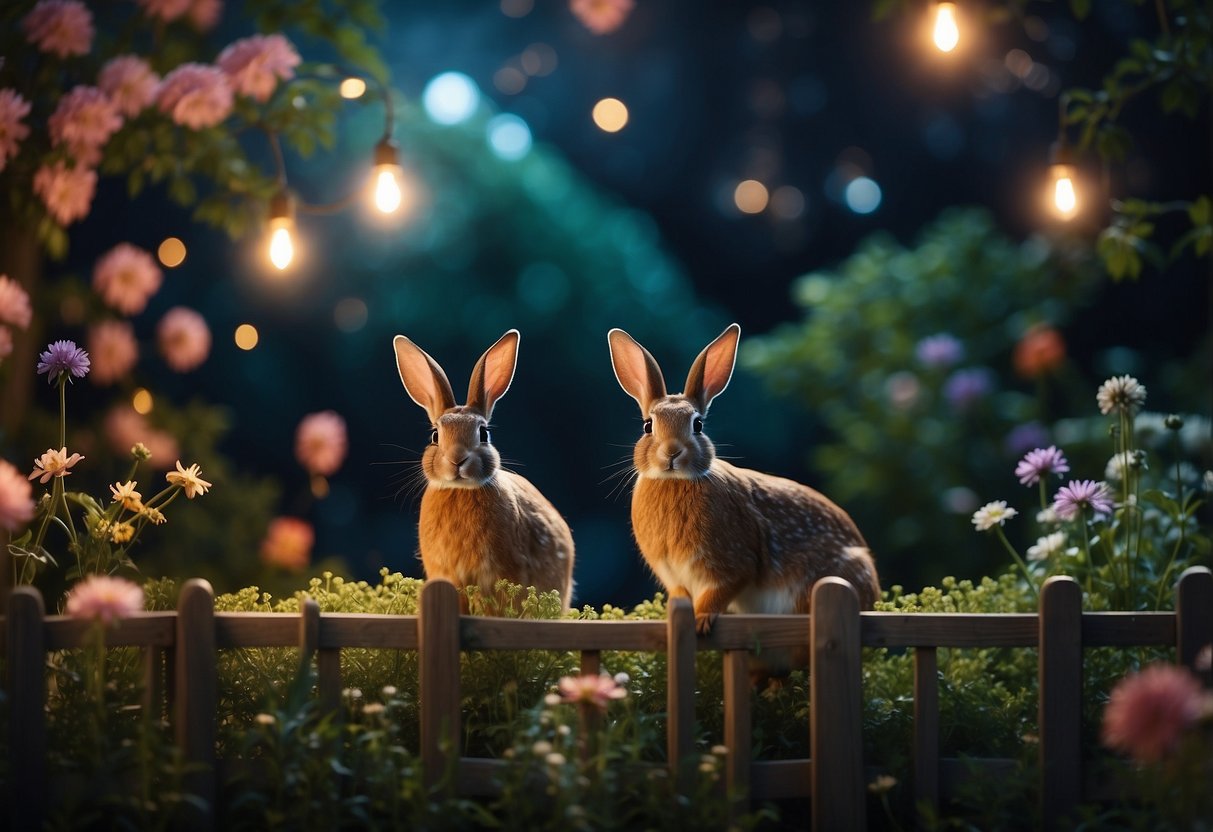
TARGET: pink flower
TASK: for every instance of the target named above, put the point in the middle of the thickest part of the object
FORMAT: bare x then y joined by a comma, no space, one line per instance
14,303
124,427
104,598
166,10
113,350
184,338
129,82
16,498
60,27
288,543
255,64
591,689
6,342
1149,712
53,464
601,16
321,443
83,121
1074,498
195,96
13,108
204,14
125,277
66,191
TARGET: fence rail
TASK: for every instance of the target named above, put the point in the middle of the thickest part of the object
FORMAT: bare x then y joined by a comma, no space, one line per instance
180,674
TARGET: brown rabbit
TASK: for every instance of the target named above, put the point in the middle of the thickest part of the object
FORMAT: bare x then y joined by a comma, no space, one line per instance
480,523
728,538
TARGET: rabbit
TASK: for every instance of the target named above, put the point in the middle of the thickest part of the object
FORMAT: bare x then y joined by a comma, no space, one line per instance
727,538
480,523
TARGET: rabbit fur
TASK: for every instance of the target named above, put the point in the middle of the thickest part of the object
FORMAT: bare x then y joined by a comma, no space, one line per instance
480,523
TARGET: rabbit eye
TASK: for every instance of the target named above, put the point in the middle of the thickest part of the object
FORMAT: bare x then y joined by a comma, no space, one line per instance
434,436
484,434
648,425
697,425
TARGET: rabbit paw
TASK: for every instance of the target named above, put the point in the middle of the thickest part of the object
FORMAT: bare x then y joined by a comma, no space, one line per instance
704,622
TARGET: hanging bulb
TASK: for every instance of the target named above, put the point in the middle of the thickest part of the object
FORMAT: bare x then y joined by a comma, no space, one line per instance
388,193
282,223
1065,195
946,33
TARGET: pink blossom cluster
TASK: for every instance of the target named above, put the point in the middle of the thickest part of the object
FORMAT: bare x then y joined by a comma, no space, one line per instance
113,350
164,10
83,122
254,65
13,108
126,277
14,311
104,598
288,543
125,427
16,498
195,95
601,16
1149,713
62,28
321,443
130,83
66,190
184,339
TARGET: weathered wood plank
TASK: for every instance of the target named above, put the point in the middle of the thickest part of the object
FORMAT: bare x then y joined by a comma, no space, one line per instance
328,678
836,717
1194,613
1127,629
926,727
148,629
196,687
1060,701
680,687
486,633
439,682
737,726
388,632
308,637
890,629
153,682
26,687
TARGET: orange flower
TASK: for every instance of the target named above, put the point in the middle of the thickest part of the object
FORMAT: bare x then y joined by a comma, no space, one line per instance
288,543
1039,352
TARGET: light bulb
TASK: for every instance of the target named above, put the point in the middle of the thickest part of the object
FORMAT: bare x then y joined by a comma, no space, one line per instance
282,247
388,195
1065,199
947,33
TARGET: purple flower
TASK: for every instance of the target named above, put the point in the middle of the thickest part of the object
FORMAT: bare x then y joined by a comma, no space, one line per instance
1039,463
964,387
1023,438
63,357
1080,494
940,350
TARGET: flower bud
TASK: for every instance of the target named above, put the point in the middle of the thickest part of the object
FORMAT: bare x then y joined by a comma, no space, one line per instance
1174,421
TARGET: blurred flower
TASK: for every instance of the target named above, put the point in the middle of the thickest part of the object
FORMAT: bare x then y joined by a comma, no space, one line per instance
63,357
958,499
1149,712
941,350
83,122
125,493
1079,493
1039,352
154,515
288,543
104,598
6,342
53,464
1040,463
255,64
60,27
125,427
265,719
166,10
122,533
321,442
992,514
112,347
591,689
965,387
1204,659
126,277
1121,393
1047,517
129,82
204,14
16,498
184,338
601,16
67,192
195,96
902,389
189,479
14,303
1047,546
13,108
1115,469
883,783
1025,437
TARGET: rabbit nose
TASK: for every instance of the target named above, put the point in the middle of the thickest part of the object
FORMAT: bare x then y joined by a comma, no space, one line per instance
671,450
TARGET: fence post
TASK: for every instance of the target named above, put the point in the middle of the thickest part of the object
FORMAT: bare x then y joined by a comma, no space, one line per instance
1060,717
926,729
1194,619
737,727
27,708
680,687
438,647
196,684
836,708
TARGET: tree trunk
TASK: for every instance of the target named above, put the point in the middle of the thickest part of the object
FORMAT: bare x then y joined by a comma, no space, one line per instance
21,259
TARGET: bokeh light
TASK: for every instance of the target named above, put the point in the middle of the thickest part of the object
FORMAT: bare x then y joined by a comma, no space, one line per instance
509,136
450,98
350,314
751,197
517,8
171,252
787,202
862,195
611,115
246,336
538,59
142,401
352,88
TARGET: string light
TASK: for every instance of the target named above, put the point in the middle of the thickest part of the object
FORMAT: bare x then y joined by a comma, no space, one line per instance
1062,173
282,224
946,32
387,177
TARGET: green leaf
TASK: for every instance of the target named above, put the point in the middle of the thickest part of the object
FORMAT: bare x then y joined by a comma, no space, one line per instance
1200,212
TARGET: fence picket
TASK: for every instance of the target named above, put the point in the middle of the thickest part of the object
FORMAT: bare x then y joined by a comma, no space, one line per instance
680,686
836,718
26,644
196,687
1060,719
1194,618
737,726
439,681
926,727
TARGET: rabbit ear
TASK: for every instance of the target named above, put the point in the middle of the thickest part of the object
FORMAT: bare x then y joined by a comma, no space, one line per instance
493,373
636,370
713,368
423,379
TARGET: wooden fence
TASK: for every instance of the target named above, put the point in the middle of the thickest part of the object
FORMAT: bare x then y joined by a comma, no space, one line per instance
181,648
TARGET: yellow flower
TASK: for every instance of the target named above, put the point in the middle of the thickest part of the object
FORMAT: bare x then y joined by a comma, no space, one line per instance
188,479
126,493
102,529
153,514
53,464
122,533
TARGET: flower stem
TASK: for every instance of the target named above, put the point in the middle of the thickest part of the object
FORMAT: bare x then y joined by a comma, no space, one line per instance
1014,554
